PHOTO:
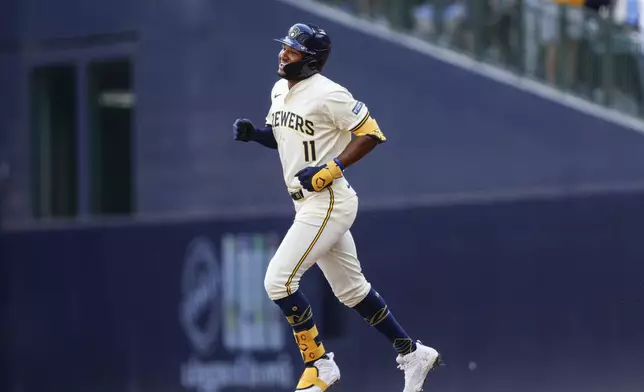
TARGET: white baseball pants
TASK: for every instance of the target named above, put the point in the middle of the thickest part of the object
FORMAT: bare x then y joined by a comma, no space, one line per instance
320,234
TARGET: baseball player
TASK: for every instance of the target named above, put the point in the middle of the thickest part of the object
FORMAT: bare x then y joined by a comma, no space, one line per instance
320,130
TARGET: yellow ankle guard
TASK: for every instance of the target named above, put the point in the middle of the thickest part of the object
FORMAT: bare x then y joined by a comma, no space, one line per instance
310,378
311,351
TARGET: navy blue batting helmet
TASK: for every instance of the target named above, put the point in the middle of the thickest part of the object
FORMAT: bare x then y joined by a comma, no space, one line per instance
314,43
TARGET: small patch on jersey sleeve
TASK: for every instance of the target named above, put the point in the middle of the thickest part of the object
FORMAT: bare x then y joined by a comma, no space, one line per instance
356,109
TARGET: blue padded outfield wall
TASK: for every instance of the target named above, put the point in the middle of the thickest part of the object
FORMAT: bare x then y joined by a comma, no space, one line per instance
528,296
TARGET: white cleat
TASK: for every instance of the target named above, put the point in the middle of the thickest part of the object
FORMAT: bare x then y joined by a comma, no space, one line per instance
416,365
321,376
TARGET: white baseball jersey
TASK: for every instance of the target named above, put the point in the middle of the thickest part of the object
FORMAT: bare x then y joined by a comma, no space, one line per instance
312,123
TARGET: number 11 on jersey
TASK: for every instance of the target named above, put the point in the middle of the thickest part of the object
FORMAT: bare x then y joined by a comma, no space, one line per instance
309,151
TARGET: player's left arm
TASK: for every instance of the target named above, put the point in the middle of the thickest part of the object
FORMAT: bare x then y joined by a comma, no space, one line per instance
367,135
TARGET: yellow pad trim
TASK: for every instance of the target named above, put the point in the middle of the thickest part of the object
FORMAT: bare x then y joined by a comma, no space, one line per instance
361,123
314,354
335,170
310,350
310,378
369,127
308,335
315,239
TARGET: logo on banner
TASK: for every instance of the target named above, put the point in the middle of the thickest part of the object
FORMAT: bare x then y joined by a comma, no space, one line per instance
228,318
201,288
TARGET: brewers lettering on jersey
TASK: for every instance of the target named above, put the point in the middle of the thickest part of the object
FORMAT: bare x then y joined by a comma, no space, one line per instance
319,130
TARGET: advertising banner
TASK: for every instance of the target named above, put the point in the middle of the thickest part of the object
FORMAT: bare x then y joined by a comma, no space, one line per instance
530,296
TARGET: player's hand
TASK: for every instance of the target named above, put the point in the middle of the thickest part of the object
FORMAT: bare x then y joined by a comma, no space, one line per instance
315,179
243,130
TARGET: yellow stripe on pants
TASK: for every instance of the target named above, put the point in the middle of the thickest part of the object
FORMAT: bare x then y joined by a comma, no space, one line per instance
315,239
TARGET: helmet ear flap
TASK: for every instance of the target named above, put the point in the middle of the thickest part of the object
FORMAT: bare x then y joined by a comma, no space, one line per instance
302,69
293,69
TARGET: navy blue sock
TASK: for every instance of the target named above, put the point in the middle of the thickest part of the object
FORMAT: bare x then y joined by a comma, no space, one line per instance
298,311
299,315
374,310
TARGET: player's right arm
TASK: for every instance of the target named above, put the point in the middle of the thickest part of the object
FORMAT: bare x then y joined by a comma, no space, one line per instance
245,131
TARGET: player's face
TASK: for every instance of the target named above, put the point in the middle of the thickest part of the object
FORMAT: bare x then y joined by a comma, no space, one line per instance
288,55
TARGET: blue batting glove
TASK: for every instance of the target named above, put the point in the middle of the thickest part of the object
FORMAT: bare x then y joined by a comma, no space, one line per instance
243,130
